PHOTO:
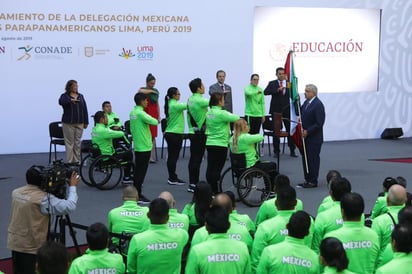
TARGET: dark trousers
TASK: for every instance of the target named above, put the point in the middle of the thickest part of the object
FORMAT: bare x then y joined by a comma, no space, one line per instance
197,150
216,158
174,145
269,168
23,263
276,140
141,165
125,155
254,124
313,155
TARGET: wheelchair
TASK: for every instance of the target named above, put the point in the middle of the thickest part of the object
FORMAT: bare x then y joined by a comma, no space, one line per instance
104,172
252,185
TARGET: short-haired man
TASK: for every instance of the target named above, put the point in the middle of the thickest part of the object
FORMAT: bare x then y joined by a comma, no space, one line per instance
142,141
158,249
31,208
331,219
176,219
52,258
197,107
97,258
328,202
291,255
360,242
102,136
218,254
128,218
242,219
379,207
221,87
113,120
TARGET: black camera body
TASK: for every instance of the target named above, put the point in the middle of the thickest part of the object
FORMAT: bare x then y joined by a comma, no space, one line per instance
55,177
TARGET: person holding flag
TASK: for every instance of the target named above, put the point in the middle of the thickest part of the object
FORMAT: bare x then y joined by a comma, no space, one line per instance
280,103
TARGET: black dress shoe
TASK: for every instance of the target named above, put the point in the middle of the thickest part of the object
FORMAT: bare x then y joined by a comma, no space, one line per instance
293,154
307,185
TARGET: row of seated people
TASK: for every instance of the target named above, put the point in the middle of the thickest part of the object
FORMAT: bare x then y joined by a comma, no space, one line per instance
286,239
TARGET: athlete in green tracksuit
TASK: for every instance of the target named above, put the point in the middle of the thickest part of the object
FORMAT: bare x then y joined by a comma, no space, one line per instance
158,249
254,105
178,220
244,220
268,210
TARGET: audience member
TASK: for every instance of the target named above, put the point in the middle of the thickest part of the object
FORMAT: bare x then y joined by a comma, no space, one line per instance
268,208
196,118
174,111
128,218
52,258
242,219
142,141
331,219
97,258
75,118
218,254
254,104
31,208
380,205
291,255
218,135
152,109
328,202
176,219
361,243
236,231
158,249
103,137
221,87
333,256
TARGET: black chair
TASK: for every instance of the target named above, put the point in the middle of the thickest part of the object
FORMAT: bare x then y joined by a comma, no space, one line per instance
56,137
268,131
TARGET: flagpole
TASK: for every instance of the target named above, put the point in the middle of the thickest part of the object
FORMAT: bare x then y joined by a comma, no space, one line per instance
303,139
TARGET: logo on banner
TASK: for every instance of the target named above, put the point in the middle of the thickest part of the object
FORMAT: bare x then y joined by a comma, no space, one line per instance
88,51
278,51
26,55
126,54
145,53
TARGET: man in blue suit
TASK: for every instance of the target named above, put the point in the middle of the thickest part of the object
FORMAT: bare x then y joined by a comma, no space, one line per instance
313,118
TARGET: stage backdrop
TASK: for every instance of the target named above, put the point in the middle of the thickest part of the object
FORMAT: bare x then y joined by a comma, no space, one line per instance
110,46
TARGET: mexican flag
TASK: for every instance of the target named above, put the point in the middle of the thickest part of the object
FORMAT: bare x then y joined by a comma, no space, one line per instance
292,84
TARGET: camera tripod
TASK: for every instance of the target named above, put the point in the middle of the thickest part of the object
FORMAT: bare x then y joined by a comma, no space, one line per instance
59,232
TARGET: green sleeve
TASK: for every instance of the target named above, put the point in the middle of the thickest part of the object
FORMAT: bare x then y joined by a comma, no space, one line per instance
252,138
132,257
149,119
191,265
259,243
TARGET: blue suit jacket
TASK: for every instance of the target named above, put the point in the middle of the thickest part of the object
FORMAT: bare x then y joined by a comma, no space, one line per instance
313,118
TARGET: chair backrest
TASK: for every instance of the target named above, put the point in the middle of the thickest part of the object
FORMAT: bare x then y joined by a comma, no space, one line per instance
163,124
127,127
277,122
56,130
268,124
238,160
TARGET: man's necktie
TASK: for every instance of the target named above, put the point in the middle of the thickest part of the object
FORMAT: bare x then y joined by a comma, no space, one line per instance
222,87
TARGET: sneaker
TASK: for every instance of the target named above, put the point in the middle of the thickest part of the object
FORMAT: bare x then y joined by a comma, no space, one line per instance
175,182
143,200
191,188
272,194
127,180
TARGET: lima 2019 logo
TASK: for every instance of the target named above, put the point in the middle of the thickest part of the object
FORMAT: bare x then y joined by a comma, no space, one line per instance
143,53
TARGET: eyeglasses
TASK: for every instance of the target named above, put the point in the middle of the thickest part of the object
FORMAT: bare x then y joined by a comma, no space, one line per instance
255,79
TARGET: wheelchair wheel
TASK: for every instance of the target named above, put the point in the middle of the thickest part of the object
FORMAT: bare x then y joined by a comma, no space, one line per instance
254,187
84,170
105,173
228,182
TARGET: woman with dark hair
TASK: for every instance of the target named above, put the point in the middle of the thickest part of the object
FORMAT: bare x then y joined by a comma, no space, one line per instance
218,135
174,132
152,109
333,256
254,104
75,118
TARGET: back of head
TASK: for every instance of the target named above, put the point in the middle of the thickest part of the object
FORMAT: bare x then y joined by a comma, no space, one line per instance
168,197
158,211
402,235
332,175
286,198
139,98
405,215
280,181
223,200
396,195
333,253
97,236
299,223
401,181
232,197
52,258
352,205
33,175
202,197
340,187
130,193
217,220
98,116
215,99
195,84
388,182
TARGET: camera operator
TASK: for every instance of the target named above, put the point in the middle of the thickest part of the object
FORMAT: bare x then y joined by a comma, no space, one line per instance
29,218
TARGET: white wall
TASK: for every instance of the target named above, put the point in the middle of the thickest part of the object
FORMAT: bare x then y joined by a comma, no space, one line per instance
221,37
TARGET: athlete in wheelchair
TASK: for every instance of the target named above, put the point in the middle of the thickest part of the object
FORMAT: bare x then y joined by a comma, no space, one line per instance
106,165
250,178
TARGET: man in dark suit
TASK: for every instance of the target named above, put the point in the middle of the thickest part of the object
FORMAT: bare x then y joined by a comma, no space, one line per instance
221,87
313,118
280,103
